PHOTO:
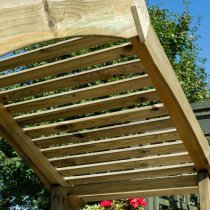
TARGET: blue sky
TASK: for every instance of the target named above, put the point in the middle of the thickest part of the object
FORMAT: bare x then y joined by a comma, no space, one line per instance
196,8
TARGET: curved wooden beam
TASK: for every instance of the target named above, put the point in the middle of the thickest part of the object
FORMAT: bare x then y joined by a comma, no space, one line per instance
31,21
154,58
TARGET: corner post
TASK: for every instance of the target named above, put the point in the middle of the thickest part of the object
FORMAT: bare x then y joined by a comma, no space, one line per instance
204,190
61,200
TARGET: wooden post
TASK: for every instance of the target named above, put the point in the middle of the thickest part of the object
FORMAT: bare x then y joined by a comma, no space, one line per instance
60,200
204,190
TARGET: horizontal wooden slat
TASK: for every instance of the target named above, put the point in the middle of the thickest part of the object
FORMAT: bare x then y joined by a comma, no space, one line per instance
73,80
67,65
143,156
93,146
107,132
90,107
54,50
132,174
79,166
142,193
96,121
112,155
135,185
137,82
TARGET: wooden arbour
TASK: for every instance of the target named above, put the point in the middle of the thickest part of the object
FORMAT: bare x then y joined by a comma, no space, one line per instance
89,141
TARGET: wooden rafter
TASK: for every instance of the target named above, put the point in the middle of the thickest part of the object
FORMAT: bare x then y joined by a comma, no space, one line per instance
16,136
163,77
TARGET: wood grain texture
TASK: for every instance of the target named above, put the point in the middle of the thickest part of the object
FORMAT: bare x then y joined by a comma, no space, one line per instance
204,190
90,107
135,185
142,193
142,162
30,21
79,165
95,91
52,51
107,132
33,154
125,153
98,120
114,143
63,66
86,77
162,74
131,174
116,163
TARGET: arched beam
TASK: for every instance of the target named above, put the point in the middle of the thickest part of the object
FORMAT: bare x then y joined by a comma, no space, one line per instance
31,21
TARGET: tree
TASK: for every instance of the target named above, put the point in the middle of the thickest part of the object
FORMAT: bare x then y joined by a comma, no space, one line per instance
178,37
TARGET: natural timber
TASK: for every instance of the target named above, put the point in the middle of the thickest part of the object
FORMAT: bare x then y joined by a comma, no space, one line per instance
106,132
163,77
82,78
106,89
131,174
135,185
52,51
204,190
38,20
59,200
156,110
126,100
74,162
34,155
142,193
68,65
114,143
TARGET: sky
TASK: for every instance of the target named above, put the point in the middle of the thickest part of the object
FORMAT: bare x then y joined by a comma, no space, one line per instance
201,7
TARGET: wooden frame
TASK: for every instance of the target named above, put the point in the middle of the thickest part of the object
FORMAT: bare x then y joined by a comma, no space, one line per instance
58,120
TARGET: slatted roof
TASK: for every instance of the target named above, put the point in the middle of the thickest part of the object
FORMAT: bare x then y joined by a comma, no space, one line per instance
101,120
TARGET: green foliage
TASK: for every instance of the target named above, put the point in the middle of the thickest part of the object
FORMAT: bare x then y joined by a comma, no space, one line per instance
18,183
20,186
179,39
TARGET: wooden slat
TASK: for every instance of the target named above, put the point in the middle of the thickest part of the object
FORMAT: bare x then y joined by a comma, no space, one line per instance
68,65
107,132
90,107
114,155
135,185
96,121
134,83
54,50
144,156
124,154
132,174
34,155
164,79
31,21
113,165
120,142
142,193
73,80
